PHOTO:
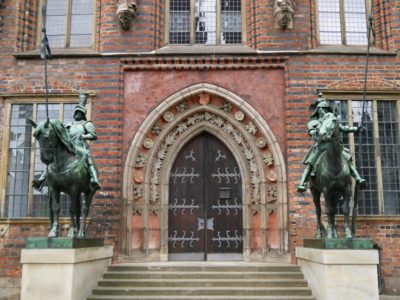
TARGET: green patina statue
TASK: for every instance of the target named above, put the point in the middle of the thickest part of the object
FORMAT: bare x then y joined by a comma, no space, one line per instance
329,167
70,167
320,108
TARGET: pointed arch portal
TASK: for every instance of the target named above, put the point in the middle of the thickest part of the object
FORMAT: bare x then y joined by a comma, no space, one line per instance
203,115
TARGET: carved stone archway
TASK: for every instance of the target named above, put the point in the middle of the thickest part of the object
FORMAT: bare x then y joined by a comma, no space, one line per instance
204,107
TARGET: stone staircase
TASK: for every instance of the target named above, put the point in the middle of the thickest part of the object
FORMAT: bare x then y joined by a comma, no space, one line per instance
203,280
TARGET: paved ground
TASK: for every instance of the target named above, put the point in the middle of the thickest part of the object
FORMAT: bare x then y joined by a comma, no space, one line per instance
385,297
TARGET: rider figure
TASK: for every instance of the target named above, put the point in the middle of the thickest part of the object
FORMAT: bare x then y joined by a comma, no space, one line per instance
80,131
322,107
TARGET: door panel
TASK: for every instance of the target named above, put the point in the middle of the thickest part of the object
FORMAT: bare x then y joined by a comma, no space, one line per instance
205,202
186,203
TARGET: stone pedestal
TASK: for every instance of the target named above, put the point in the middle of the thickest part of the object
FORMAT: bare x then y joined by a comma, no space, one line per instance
62,274
340,274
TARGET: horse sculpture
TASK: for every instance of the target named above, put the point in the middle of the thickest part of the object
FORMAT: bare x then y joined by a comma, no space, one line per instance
332,178
66,172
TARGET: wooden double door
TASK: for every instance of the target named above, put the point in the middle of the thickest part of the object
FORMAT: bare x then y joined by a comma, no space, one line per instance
205,203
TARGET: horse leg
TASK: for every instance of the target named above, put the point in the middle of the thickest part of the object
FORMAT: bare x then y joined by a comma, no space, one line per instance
85,212
346,212
55,215
73,211
330,211
317,202
78,213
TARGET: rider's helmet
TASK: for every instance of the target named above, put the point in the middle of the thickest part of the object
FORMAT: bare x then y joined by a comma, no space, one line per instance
82,102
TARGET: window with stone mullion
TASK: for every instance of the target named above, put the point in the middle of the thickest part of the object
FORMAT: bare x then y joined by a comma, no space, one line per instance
21,200
205,22
69,23
342,22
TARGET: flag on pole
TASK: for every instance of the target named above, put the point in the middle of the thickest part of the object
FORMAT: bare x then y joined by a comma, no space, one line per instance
45,51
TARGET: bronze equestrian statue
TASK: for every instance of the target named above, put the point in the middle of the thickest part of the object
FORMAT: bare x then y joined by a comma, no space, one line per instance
329,167
70,167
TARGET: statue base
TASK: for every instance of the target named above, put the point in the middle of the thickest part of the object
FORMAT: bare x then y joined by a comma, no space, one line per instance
339,243
63,243
344,274
62,273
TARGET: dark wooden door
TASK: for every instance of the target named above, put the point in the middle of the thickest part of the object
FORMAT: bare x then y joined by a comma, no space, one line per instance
205,202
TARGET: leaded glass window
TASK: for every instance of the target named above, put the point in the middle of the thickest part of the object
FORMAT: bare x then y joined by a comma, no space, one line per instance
24,163
69,23
342,22
205,22
376,152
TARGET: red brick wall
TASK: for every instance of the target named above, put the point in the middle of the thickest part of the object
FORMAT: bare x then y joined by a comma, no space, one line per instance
147,89
303,75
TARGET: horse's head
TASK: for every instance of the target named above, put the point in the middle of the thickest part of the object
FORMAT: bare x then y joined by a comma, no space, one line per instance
329,128
47,139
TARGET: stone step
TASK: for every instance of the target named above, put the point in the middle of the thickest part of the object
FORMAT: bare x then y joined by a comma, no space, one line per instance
190,283
204,291
228,281
158,297
204,268
202,275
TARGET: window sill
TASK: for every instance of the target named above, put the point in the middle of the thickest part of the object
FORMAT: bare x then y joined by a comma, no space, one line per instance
200,49
59,53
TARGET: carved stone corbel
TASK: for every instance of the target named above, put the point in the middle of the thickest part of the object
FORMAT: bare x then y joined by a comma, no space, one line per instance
126,13
284,13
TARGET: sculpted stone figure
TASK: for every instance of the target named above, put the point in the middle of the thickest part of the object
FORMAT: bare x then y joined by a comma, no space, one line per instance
321,108
284,12
126,13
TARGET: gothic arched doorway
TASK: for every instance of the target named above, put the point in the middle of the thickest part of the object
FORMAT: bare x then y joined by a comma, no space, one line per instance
205,202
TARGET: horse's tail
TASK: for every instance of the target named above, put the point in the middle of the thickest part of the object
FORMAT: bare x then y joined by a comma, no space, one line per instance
355,209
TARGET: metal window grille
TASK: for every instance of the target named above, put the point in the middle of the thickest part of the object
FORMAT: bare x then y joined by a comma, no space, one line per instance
342,22
24,162
69,23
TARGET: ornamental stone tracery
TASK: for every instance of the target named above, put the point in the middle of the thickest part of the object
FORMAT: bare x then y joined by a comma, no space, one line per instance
172,124
184,119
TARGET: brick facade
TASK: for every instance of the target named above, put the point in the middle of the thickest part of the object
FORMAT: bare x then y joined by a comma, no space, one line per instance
118,55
